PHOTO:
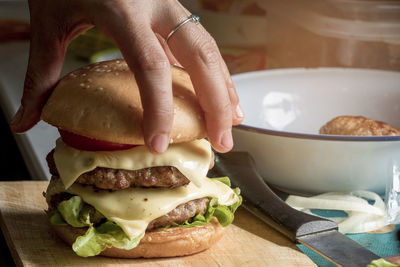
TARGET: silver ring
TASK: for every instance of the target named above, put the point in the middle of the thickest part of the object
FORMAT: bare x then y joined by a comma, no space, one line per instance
193,17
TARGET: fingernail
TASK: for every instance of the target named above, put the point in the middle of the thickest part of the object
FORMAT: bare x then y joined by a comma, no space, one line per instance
159,143
239,111
18,116
226,139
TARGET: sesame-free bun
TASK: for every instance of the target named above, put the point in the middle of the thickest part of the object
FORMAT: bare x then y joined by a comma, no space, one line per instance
170,242
102,101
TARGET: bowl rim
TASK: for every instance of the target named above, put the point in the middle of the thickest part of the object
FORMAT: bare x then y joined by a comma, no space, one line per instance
318,136
273,72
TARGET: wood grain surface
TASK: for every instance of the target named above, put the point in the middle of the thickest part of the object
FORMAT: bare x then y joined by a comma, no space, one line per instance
248,242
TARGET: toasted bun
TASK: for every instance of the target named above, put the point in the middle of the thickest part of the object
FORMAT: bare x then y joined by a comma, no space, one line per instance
102,101
170,242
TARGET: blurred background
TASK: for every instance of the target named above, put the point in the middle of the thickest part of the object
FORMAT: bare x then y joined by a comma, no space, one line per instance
262,34
308,33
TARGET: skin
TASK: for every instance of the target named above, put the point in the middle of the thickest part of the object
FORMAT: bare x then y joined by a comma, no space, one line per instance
139,28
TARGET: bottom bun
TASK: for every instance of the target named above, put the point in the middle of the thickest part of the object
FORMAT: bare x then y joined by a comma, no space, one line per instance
170,242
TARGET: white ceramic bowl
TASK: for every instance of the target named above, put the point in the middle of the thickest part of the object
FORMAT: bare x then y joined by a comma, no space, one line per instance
284,110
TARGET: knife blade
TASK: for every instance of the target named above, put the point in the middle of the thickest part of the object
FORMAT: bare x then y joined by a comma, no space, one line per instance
319,234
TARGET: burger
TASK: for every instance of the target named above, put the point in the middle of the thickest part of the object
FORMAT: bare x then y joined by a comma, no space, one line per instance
108,193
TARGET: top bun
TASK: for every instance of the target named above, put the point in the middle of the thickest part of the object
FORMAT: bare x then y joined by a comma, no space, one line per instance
102,101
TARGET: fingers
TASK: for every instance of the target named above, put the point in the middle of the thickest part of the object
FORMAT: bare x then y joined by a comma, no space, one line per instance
51,31
197,51
168,53
204,68
146,57
132,24
44,65
237,112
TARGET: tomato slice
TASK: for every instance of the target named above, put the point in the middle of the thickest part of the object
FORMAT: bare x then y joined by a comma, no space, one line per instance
85,143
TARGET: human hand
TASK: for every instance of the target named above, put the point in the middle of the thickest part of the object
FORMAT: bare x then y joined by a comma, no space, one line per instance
138,28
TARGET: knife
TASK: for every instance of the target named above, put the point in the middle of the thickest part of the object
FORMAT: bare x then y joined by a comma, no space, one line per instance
319,234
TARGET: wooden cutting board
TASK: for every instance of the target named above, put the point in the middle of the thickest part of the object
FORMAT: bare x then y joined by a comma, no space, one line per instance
248,242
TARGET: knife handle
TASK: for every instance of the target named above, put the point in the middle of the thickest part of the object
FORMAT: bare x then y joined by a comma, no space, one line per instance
262,201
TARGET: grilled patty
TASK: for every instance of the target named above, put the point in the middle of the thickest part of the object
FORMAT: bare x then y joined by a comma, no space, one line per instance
178,215
181,213
358,126
113,179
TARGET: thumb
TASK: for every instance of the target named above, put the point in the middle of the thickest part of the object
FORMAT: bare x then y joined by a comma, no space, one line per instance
46,56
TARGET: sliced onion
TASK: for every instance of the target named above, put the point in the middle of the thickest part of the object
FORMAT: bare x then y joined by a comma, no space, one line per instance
362,216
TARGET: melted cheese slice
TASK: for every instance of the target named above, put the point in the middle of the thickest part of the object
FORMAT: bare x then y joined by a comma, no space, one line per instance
192,159
134,208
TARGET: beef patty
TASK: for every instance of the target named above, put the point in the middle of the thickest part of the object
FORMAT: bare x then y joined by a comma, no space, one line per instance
113,179
178,215
358,126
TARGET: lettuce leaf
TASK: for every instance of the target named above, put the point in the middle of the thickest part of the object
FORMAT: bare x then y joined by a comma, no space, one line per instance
224,214
97,239
225,180
103,233
56,218
381,263
70,210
